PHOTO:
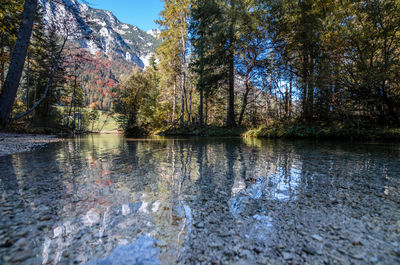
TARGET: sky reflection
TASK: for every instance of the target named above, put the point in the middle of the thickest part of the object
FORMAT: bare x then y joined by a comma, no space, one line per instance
81,199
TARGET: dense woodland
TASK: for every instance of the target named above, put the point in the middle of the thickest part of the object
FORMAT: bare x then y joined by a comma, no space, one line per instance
231,63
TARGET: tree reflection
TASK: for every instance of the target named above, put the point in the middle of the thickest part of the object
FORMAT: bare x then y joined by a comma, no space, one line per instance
198,197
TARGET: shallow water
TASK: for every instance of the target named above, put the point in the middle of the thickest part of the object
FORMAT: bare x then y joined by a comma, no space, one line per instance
104,198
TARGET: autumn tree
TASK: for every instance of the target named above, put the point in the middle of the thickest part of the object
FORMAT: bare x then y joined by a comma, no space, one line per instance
173,53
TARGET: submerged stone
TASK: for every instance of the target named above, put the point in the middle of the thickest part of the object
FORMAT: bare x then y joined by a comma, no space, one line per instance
142,251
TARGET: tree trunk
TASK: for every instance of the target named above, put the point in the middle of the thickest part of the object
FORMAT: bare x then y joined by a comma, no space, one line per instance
190,101
201,107
174,104
230,118
244,103
201,86
182,117
206,118
290,94
387,101
254,110
2,67
304,86
310,86
27,85
10,87
183,67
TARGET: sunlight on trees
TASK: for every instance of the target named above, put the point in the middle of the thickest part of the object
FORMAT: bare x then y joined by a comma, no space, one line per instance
224,63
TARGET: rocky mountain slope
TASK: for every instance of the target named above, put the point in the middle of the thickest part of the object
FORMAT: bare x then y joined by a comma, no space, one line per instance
100,31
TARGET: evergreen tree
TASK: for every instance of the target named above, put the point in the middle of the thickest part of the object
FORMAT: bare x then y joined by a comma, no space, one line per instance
209,40
173,51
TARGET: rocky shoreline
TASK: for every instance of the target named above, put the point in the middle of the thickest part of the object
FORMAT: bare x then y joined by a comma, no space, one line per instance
12,143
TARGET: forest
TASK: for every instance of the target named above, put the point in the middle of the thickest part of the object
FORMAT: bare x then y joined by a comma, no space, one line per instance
252,67
125,144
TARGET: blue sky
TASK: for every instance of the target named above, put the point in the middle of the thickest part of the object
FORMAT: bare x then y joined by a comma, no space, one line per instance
141,13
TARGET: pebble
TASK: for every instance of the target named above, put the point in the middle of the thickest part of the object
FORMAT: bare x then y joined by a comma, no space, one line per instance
309,250
45,218
396,252
199,225
22,233
21,255
357,241
161,244
334,227
22,242
358,256
287,255
317,237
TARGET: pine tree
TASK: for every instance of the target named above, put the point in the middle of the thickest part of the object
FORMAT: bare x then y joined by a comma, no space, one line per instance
209,41
173,51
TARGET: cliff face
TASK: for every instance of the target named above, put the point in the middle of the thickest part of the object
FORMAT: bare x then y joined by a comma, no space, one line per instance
100,31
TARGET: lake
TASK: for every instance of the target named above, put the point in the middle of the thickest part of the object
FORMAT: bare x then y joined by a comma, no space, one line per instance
106,199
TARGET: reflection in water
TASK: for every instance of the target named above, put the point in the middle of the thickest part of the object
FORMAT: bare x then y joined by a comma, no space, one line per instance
193,199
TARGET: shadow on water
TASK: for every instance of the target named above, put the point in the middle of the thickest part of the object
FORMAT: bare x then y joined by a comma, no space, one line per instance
101,198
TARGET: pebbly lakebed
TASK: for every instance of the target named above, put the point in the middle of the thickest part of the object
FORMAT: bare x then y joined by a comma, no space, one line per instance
106,199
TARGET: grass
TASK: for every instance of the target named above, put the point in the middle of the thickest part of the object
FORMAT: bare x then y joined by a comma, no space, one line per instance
288,131
106,121
300,131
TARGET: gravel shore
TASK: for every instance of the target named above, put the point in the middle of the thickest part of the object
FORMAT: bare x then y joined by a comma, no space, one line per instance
11,143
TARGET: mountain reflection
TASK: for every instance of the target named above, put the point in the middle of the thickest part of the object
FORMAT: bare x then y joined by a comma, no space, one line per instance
80,199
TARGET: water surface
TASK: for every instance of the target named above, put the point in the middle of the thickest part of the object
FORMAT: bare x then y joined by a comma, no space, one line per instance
218,200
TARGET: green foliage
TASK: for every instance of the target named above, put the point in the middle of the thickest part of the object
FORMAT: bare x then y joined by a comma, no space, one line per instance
172,55
91,120
306,68
10,17
300,69
93,116
208,131
344,55
301,131
137,101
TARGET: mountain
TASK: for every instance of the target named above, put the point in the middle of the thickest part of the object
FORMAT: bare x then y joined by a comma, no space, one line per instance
99,30
110,47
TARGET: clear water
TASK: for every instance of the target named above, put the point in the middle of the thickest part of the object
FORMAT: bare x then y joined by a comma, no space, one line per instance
179,200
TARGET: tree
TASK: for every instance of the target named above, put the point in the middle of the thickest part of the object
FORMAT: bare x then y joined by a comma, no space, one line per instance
137,100
231,42
209,39
370,33
173,51
10,86
8,32
251,47
93,116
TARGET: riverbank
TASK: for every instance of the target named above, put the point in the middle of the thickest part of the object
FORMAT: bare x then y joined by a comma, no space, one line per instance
206,131
299,131
288,131
12,143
